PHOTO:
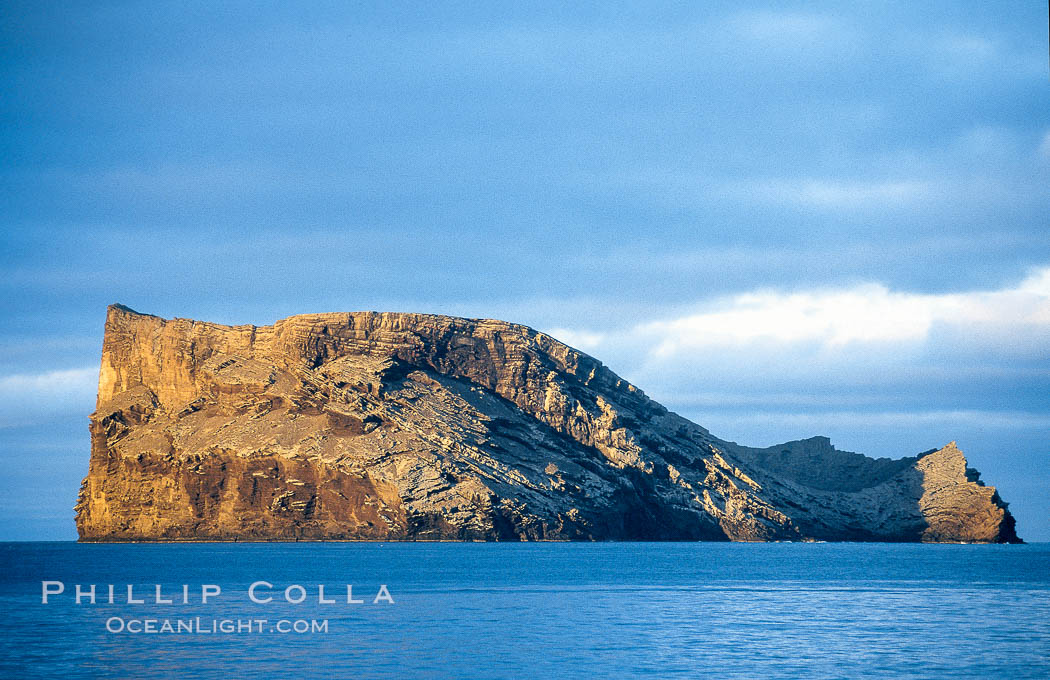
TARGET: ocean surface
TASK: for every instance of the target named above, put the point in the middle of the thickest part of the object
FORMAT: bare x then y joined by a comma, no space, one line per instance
539,610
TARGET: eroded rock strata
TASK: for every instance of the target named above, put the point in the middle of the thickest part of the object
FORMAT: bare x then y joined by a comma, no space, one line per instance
414,426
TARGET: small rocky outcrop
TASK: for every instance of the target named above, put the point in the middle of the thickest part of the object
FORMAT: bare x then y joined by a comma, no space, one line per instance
370,426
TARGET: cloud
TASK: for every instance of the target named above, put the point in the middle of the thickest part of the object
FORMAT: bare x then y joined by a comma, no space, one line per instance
865,313
838,194
33,398
970,47
835,194
864,344
1037,283
977,54
47,384
1044,147
868,313
888,419
584,340
784,28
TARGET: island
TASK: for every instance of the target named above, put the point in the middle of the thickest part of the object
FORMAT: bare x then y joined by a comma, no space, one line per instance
396,426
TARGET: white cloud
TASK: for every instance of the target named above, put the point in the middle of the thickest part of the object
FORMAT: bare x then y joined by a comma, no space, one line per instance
966,56
862,318
584,340
784,27
970,47
910,419
987,141
865,313
843,194
33,398
1037,283
50,383
1044,147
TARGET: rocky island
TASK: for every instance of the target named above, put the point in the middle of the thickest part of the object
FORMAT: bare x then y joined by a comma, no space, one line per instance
383,426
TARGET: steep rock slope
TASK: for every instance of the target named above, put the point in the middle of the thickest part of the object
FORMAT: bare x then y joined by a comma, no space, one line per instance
412,426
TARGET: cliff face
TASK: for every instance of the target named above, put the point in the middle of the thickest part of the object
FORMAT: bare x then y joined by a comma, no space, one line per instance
412,426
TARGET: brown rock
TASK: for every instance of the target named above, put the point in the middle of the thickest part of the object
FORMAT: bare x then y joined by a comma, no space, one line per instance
414,426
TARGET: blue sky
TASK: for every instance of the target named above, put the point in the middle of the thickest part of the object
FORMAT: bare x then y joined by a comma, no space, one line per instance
779,219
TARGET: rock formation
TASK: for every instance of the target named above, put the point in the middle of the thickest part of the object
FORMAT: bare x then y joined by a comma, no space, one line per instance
414,426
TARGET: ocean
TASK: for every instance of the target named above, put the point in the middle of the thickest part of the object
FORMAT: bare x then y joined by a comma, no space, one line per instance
529,610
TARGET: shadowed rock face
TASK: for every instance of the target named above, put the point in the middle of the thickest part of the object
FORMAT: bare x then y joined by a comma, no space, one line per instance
413,426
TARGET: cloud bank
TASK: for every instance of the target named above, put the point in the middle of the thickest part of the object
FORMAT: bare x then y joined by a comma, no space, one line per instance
834,318
27,399
864,348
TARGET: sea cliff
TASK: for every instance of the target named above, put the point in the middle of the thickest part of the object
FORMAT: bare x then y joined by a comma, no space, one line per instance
383,426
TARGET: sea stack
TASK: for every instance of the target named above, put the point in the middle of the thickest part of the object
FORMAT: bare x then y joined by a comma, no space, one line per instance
383,426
